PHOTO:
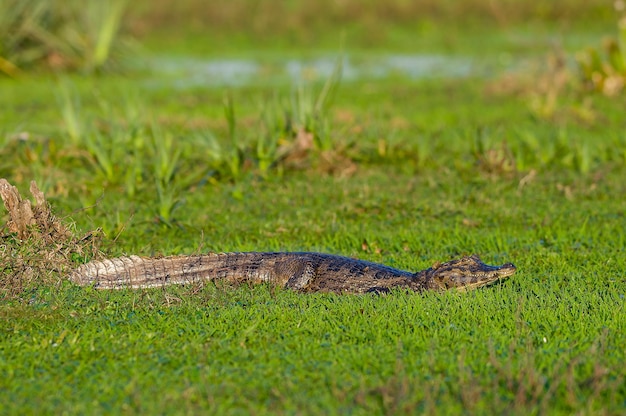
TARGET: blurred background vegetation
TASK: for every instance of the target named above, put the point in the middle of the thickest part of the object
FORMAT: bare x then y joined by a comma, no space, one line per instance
301,15
59,35
121,131
92,35
262,16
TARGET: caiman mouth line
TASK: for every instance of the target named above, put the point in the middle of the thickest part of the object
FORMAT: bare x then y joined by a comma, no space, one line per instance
489,279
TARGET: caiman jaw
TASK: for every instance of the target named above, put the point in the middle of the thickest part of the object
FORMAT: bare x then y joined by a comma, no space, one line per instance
466,274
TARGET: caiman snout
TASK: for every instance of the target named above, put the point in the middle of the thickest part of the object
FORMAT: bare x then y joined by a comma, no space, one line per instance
468,273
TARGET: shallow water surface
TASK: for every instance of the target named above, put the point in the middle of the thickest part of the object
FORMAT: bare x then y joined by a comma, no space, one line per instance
190,72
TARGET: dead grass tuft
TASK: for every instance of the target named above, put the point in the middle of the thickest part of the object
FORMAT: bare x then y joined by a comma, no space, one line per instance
37,247
497,162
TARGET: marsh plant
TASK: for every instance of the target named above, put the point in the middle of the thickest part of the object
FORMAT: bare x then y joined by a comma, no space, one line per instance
603,68
297,127
60,34
290,131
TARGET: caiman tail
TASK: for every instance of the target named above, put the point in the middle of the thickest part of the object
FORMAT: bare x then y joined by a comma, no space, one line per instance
133,272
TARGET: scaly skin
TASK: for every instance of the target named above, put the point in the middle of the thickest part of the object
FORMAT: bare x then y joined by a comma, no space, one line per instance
304,272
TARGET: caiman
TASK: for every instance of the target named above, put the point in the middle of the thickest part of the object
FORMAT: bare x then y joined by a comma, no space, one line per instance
303,272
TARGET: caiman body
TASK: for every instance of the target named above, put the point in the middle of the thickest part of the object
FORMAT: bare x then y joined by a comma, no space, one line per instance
301,271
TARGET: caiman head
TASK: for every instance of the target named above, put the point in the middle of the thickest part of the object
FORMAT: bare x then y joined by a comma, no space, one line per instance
465,274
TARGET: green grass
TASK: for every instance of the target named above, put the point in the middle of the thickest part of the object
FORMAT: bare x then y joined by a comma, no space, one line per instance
397,171
248,351
549,339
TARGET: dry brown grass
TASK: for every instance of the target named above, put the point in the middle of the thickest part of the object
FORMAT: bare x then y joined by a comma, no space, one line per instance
37,247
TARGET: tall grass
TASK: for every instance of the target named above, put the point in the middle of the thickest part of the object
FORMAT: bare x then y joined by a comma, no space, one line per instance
135,152
122,146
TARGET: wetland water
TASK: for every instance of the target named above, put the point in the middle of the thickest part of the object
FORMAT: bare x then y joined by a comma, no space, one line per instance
189,72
